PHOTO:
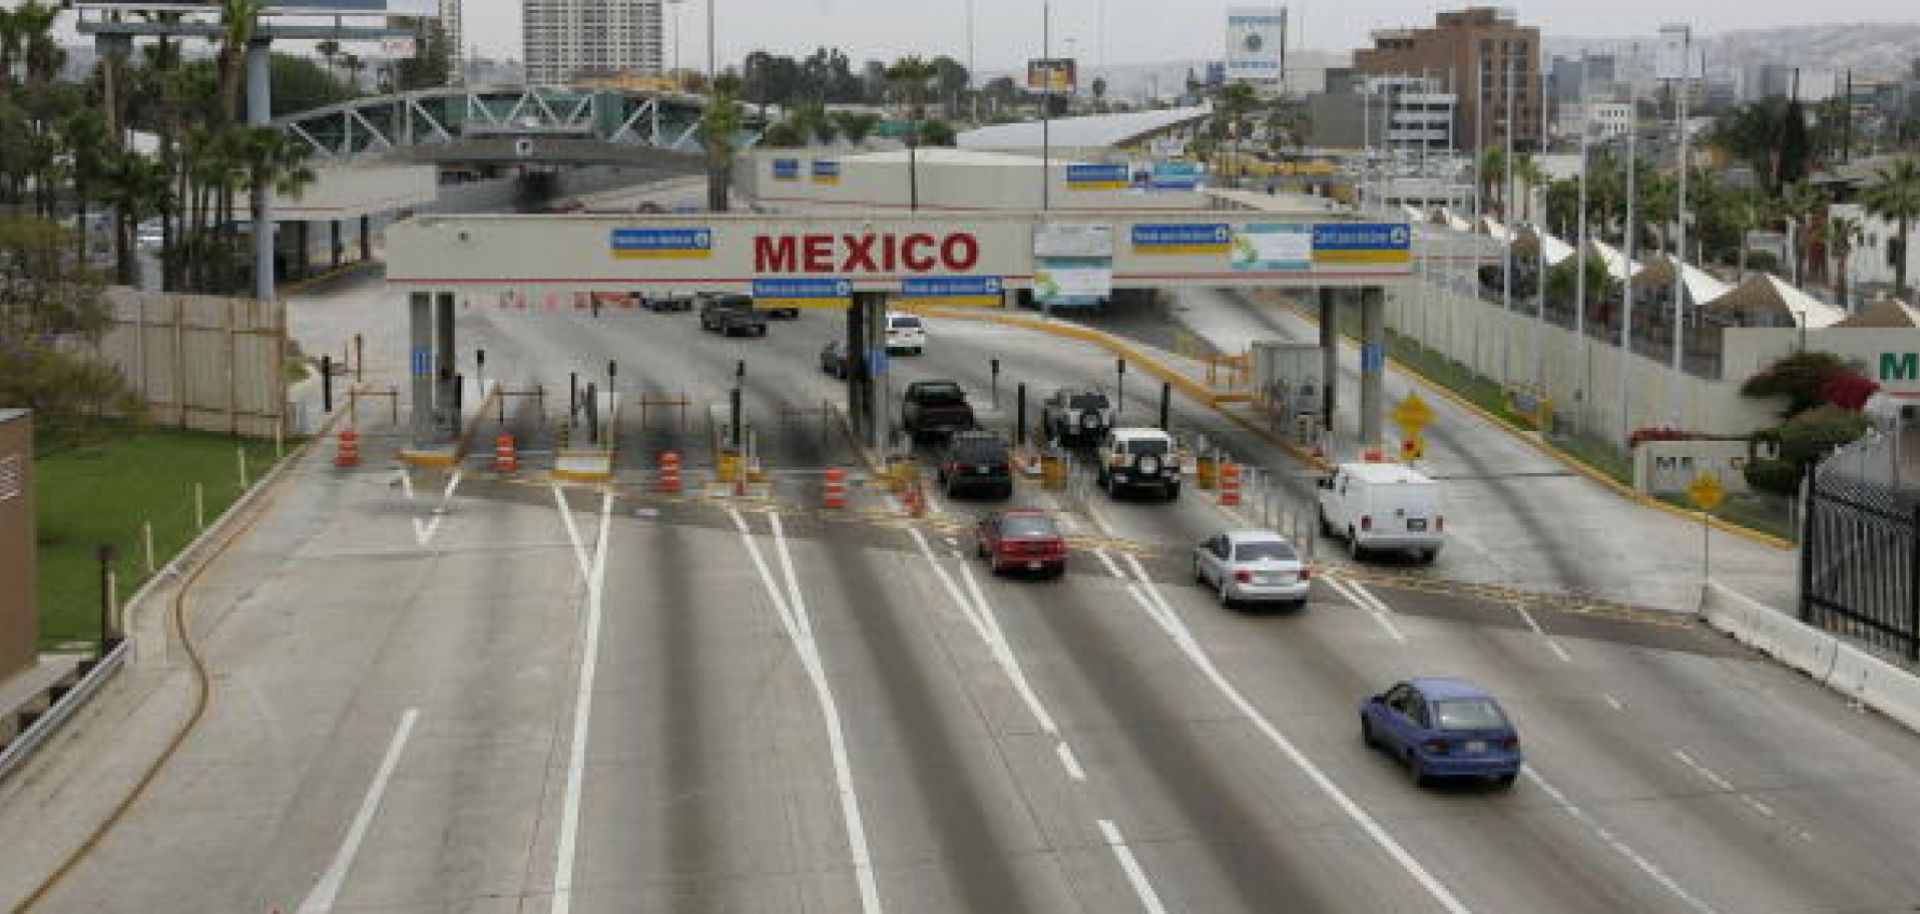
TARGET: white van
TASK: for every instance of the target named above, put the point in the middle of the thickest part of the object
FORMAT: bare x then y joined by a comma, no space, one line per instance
1380,506
905,333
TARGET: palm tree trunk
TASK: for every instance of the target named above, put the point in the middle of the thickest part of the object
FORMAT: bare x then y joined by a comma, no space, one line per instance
1900,265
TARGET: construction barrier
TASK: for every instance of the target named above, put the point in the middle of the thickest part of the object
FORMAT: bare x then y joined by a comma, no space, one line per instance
505,458
1230,484
1206,472
349,454
667,481
1053,472
833,493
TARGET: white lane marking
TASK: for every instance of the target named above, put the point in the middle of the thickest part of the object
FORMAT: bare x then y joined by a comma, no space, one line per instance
1614,703
582,716
980,615
792,608
1552,642
1365,599
1068,525
1149,899
423,531
452,484
1112,567
953,589
406,484
320,900
573,533
1705,772
1099,517
952,541
1620,847
1181,636
1068,762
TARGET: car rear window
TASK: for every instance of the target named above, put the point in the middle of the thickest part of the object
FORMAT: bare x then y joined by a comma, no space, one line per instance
1468,714
979,450
1028,525
1088,401
1269,551
939,393
1142,446
904,323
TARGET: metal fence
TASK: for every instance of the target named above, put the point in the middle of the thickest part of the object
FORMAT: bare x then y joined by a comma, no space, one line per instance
1860,562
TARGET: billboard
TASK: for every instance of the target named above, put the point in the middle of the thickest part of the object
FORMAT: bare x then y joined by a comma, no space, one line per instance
1060,75
1256,39
1670,56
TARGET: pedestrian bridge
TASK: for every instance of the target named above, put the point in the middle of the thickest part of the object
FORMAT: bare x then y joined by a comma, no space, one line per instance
553,125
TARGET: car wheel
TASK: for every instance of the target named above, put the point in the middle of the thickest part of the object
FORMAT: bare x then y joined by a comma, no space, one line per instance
1506,780
1428,555
1355,551
1366,733
1226,596
1326,526
1417,771
1173,492
980,549
1199,573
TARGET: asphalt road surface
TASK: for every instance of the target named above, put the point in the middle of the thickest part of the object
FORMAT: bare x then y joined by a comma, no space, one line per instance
440,693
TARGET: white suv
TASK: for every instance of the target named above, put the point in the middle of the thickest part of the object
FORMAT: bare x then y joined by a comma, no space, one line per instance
905,333
1139,458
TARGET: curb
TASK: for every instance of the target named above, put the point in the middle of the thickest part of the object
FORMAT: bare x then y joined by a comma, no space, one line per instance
295,288
1565,459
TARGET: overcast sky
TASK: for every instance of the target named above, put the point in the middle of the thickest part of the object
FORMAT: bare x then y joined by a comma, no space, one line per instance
1142,31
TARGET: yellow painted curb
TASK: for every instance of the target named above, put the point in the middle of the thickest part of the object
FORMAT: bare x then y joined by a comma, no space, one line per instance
1570,461
335,273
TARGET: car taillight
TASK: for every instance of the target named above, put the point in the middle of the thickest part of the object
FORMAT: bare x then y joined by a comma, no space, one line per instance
1306,574
1510,743
962,468
1366,523
1244,577
1437,746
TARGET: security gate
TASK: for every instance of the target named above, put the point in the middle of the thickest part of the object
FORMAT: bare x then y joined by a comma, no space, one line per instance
1860,560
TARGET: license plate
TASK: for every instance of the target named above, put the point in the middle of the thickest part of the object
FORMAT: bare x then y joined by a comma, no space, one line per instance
1476,746
1417,526
1033,566
1266,577
982,471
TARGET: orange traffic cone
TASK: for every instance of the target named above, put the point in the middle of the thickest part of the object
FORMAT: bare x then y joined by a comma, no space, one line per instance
1230,484
834,493
505,458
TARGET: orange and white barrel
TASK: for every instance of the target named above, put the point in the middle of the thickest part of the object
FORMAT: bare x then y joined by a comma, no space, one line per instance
1229,484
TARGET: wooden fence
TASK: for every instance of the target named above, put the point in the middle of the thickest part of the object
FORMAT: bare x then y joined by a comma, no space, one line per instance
202,362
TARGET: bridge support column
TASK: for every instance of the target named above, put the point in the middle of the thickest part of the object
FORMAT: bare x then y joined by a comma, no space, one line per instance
1373,366
446,397
419,349
335,246
1329,354
366,238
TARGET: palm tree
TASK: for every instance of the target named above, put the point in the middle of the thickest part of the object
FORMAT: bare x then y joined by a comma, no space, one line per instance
1527,171
855,126
1844,232
1800,205
84,136
33,24
1896,196
328,50
272,163
238,19
810,121
1493,170
10,45
909,76
137,187
717,131
354,67
1237,101
1750,211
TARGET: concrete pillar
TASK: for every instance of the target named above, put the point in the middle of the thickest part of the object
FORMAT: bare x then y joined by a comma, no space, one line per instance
260,114
303,252
1373,366
420,365
445,396
366,238
1329,355
880,393
857,367
334,243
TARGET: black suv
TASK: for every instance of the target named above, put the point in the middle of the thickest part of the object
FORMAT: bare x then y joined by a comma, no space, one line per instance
977,462
1077,416
732,315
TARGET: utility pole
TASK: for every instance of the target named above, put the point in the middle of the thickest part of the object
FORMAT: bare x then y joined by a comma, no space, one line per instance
1677,388
1506,219
711,57
1626,296
1046,104
1580,257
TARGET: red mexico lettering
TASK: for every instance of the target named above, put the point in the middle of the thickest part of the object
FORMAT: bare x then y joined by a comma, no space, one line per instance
817,256
859,254
774,255
918,263
960,253
889,253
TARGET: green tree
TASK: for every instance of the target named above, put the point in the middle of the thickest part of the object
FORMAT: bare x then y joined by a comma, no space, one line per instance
273,162
1232,117
810,121
84,138
1895,195
431,65
1800,204
908,76
1844,233
239,19
138,189
1492,170
43,292
856,126
718,130
299,84
33,23
938,133
329,50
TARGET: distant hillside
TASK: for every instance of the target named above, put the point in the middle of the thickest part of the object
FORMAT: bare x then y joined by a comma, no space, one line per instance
1873,50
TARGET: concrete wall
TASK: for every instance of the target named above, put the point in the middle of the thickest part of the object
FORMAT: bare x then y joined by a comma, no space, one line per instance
1475,333
19,614
202,362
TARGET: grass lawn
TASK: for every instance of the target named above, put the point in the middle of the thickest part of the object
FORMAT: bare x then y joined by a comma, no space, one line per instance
104,493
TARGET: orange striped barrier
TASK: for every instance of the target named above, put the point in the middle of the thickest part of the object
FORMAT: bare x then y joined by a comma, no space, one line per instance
505,458
834,493
349,454
1229,484
667,481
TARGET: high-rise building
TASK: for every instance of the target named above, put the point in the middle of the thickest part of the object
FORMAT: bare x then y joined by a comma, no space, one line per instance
1473,51
568,39
456,42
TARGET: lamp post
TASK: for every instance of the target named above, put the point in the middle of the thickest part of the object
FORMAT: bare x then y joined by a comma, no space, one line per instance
1680,234
710,44
675,36
1046,104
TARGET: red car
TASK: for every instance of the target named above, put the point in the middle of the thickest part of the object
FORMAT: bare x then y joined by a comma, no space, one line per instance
1022,540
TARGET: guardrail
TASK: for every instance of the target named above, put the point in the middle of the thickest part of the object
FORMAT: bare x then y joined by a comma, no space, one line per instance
21,747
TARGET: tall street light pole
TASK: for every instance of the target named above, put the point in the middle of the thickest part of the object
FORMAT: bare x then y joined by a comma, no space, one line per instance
1046,104
711,57
1626,294
1680,246
1580,262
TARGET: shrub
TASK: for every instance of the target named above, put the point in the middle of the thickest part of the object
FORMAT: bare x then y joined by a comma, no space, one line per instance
1848,390
1780,477
1812,435
1799,377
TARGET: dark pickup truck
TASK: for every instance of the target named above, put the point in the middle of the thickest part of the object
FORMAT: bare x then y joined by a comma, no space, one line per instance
935,408
732,315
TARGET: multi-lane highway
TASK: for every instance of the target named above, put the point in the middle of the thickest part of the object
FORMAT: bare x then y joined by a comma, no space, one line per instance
432,693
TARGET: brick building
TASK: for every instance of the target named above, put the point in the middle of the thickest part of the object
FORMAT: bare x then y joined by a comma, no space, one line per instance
1479,46
19,619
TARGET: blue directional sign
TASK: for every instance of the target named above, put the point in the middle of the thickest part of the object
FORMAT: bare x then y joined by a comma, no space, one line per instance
422,362
786,169
1373,359
1102,176
1182,239
1174,176
662,243
980,291
802,292
1362,243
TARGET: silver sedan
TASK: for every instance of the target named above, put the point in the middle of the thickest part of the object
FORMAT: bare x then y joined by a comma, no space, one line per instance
1252,566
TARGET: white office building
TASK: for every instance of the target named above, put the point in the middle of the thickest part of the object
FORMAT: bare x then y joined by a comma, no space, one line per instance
456,42
568,39
1611,120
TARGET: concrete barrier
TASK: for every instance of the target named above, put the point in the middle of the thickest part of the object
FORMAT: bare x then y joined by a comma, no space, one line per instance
1882,686
1770,631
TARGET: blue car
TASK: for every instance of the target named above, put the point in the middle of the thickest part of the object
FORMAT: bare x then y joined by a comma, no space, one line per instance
1443,728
